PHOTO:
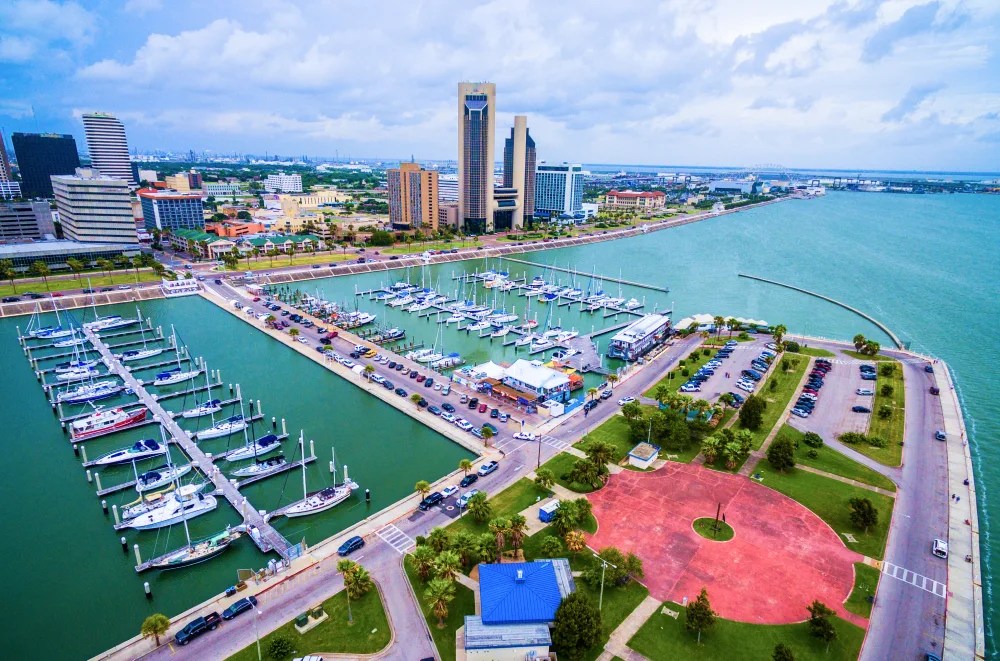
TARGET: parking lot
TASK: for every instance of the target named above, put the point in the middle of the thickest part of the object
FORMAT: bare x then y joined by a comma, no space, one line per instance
832,415
743,354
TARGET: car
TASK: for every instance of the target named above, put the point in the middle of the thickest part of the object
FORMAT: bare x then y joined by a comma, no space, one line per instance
591,405
256,299
400,392
466,497
475,431
487,468
197,627
422,403
448,417
525,436
745,386
940,435
430,501
400,367
869,376
429,383
434,410
350,546
388,385
284,313
865,391
935,390
801,413
464,424
625,400
393,258
607,394
392,364
446,390
448,407
808,395
218,281
940,548
88,290
929,369
239,606
11,299
464,399
414,374
503,417
483,408
473,403
449,491
421,378
690,388
494,413
468,479
861,409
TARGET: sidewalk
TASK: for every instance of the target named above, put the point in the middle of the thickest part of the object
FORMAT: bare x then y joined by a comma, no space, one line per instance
846,480
617,644
757,455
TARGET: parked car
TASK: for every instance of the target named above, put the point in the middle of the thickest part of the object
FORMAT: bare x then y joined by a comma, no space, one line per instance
487,468
503,417
239,606
449,491
448,417
448,407
434,410
466,497
494,413
940,435
464,424
474,403
482,408
861,409
472,478
350,546
865,391
940,548
400,392
430,501
929,369
197,627
935,390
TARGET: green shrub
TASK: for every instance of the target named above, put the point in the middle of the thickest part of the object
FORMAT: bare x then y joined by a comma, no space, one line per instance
706,352
280,647
812,439
812,454
887,390
685,372
886,369
851,437
877,442
420,540
792,346
744,336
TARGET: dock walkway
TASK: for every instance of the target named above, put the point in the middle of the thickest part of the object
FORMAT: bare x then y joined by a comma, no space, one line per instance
270,539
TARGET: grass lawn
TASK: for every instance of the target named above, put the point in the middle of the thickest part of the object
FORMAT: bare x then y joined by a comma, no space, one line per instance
706,527
618,603
891,428
563,463
417,248
674,379
865,581
815,353
532,546
512,500
864,356
829,499
333,635
831,461
615,430
261,263
778,398
97,280
726,417
663,638
463,604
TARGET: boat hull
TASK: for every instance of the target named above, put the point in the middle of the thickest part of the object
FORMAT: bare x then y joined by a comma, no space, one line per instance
134,418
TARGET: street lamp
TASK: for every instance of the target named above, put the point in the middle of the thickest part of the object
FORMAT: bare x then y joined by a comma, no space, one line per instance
257,612
604,566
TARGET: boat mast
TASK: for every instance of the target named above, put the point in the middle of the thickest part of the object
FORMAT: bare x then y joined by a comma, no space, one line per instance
302,450
176,480
177,346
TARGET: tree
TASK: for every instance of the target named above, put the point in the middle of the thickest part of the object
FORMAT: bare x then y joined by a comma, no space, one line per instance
612,379
700,406
544,479
415,398
778,333
871,347
782,653
8,272
487,435
155,625
719,323
280,647
575,541
819,623
448,565
357,582
439,594
369,371
294,332
885,411
577,626
591,393
565,518
464,544
551,547
479,507
752,412
727,400
781,454
864,514
465,465
76,266
812,439
601,453
732,325
699,615
381,238
423,487
423,561
859,341
518,526
484,547
585,471
499,527
244,215
439,539
661,393
711,447
632,411
272,253
40,269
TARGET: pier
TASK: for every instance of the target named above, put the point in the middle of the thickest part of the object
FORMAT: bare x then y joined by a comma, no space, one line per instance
587,275
269,539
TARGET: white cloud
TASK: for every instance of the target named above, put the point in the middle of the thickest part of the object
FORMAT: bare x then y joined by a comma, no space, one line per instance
142,7
40,30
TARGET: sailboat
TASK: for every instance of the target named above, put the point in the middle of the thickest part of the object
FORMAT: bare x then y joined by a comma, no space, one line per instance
195,552
72,342
90,392
160,476
140,450
73,365
177,374
139,354
258,468
208,407
111,322
319,501
184,502
525,339
230,425
263,445
47,332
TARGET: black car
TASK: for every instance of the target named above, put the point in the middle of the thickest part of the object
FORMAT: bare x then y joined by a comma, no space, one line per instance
474,402
392,364
422,403
11,299
393,258
861,409
590,405
448,407
350,546
468,480
237,607
494,413
400,392
89,291
429,383
430,501
218,282
197,627
413,374
388,385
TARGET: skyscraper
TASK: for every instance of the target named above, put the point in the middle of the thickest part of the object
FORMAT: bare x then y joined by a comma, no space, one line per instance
518,171
93,207
413,197
476,131
41,155
108,146
558,189
5,173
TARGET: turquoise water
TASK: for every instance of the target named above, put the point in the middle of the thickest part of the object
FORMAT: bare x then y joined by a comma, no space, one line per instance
65,563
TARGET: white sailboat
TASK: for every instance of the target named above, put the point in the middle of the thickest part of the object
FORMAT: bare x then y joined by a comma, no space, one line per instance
263,445
185,502
177,374
72,342
76,374
227,427
266,467
139,354
319,501
500,332
208,407
90,392
160,476
525,339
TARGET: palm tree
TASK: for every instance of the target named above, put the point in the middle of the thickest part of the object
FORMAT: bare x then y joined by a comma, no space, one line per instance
719,322
291,253
710,447
684,402
7,272
155,625
732,324
859,341
423,561
673,400
368,371
575,541
480,507
612,379
423,487
255,253
518,526
727,400
701,405
732,450
499,527
76,266
357,582
601,453
415,397
487,435
464,544
778,332
592,393
106,265
448,565
272,253
294,332
465,465
544,479
661,393
438,539
439,594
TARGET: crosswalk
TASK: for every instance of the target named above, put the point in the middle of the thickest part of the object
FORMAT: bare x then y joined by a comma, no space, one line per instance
555,442
915,579
396,538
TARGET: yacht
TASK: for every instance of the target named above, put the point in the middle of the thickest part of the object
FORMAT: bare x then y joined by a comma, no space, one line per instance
72,365
451,360
542,343
205,408
503,318
110,323
260,468
525,339
614,302
173,376
552,333
500,332
72,342
416,355
227,427
479,325
385,296
263,445
455,318
104,422
137,354
90,392
507,285
419,307
184,503
160,476
430,357
633,304
140,450
565,336
400,302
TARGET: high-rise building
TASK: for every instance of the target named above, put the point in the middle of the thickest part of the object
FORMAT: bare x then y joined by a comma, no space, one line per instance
448,187
20,221
558,189
41,155
178,182
413,197
94,208
163,210
283,183
518,173
5,173
108,146
476,131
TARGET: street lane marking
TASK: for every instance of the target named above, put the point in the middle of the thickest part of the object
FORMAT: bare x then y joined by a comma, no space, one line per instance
916,580
555,442
396,538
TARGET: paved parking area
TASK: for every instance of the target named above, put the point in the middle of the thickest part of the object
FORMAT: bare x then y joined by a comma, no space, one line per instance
782,557
832,415
718,383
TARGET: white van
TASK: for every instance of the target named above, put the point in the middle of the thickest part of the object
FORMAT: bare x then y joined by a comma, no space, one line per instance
940,548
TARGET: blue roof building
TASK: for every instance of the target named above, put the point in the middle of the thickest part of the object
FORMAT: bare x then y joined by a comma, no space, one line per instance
523,592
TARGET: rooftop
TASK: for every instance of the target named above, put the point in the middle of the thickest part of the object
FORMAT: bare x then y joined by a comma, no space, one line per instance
482,636
641,328
523,592
535,374
644,451
629,193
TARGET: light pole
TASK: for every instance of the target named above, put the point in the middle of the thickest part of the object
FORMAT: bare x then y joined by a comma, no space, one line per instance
257,612
604,566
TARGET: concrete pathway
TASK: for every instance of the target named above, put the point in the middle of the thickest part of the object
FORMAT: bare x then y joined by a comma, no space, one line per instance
748,466
618,642
472,585
846,480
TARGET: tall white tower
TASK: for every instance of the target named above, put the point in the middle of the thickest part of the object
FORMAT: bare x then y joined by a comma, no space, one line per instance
108,146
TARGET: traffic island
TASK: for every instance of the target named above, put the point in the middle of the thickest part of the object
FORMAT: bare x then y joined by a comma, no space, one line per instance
713,529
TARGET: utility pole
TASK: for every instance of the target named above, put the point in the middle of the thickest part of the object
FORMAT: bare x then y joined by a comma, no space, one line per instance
604,566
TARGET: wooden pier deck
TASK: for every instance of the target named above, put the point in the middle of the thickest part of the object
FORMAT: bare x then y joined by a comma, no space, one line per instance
269,539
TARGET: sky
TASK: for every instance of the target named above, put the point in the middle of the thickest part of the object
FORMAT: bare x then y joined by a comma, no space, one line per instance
849,84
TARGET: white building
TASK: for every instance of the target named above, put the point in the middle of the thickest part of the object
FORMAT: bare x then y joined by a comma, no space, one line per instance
448,188
224,188
533,377
94,207
731,186
558,189
284,183
108,146
635,340
148,175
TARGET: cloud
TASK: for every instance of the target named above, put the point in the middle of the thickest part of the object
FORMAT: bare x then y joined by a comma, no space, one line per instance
914,21
40,30
802,104
910,102
142,7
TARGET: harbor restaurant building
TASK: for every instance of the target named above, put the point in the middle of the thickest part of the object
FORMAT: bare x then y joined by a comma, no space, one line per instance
639,337
533,378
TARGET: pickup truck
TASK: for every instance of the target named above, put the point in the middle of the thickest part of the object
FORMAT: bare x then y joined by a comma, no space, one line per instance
197,627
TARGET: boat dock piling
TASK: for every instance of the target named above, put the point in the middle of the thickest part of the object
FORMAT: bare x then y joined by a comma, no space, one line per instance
269,538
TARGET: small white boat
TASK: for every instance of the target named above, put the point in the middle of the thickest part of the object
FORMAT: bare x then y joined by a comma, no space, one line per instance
525,339
110,323
502,318
541,344
104,422
416,355
140,450
160,476
479,325
500,332
455,318
400,302
263,445
532,291
614,302
179,505
632,304
205,408
62,368
261,468
72,342
90,392
385,295
565,336
430,357
138,354
507,285
227,427
575,293
418,307
552,333
173,376
529,324
451,360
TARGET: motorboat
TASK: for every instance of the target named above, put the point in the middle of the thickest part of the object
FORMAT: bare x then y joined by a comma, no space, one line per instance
184,503
147,502
393,334
500,332
479,325
205,408
138,354
419,307
552,333
140,450
110,323
525,339
160,477
385,295
263,445
90,392
105,422
261,468
541,344
593,307
565,336
227,427
532,291
575,293
416,355
451,360
548,298
362,318
537,281
69,366
632,304
506,285
455,318
173,376
195,552
400,302
614,302
563,354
